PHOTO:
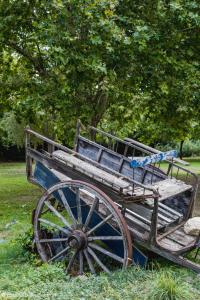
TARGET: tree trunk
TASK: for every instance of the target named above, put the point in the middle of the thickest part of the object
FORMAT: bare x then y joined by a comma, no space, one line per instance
100,108
181,150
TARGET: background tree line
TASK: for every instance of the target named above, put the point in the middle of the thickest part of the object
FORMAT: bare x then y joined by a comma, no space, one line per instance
130,67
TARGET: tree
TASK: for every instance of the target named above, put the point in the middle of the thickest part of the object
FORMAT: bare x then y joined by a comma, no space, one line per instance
67,51
124,64
166,46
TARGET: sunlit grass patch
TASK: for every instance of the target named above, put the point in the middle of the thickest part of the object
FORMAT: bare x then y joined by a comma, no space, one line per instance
17,200
167,286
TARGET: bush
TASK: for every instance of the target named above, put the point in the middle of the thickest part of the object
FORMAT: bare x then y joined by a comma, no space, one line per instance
12,132
27,245
190,148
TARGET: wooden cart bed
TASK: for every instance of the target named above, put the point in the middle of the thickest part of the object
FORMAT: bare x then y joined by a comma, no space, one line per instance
167,188
138,217
138,214
155,202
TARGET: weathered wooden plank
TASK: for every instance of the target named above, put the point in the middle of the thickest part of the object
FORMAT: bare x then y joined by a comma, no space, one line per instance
167,208
88,168
131,220
109,178
144,214
170,245
141,218
184,241
182,237
171,187
167,220
182,233
89,142
167,213
110,160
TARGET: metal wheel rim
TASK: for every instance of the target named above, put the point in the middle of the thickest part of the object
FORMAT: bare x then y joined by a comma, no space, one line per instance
88,251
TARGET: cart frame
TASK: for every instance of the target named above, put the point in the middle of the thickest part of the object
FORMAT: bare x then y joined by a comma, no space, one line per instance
115,192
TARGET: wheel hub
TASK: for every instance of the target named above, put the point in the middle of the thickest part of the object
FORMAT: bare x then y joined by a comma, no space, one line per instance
83,212
77,240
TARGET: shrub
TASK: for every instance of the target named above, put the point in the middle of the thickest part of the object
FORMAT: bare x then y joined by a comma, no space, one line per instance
27,245
190,148
12,130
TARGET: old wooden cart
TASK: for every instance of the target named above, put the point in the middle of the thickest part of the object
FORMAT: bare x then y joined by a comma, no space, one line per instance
98,213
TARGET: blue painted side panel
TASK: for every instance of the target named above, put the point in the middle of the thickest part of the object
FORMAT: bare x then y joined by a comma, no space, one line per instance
46,179
112,161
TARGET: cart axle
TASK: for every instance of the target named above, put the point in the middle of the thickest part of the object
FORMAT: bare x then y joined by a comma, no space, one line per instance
77,240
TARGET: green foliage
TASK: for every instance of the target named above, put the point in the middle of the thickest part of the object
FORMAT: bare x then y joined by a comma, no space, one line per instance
131,66
27,245
12,130
166,105
63,54
191,148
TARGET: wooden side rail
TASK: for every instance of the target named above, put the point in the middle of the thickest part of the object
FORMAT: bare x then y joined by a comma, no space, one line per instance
30,132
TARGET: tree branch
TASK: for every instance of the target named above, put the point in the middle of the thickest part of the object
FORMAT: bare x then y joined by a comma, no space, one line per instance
101,106
36,62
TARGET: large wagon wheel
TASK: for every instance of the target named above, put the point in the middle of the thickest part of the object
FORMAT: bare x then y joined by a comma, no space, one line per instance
77,223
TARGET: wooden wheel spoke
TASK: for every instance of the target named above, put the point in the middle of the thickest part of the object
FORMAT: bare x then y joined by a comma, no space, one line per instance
100,224
71,262
78,203
99,262
94,205
106,252
59,254
53,240
89,261
81,262
74,222
66,205
105,238
56,213
66,231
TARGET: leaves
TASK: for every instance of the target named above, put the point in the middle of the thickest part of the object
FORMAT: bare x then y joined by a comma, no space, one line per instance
61,60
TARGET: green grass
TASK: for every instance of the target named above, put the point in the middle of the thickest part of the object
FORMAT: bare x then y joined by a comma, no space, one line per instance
17,199
22,278
194,165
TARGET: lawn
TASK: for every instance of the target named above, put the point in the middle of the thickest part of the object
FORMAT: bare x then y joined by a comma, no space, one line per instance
24,277
194,164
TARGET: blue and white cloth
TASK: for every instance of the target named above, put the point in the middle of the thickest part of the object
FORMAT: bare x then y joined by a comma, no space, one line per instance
143,161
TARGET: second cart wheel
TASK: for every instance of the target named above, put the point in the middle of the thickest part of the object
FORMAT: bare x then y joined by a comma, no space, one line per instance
77,223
